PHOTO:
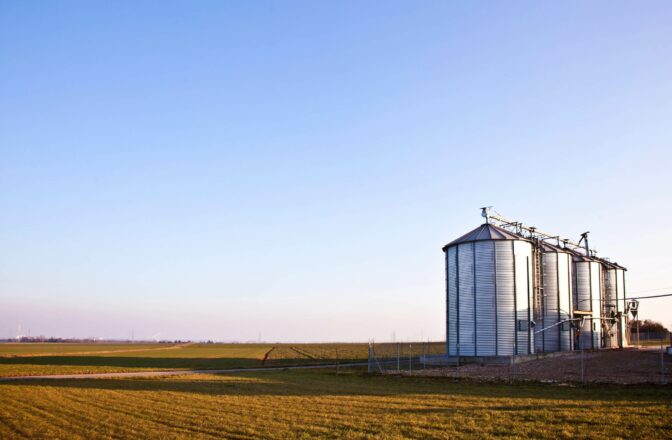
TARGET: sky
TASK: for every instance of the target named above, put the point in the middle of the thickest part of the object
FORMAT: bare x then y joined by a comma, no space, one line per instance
289,171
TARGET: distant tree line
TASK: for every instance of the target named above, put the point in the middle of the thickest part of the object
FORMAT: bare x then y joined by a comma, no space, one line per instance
47,339
648,325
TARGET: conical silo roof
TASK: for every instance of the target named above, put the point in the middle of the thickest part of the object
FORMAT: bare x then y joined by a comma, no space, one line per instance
578,256
611,264
548,247
485,232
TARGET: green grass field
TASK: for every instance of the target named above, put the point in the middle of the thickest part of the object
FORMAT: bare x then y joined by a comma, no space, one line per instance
297,403
321,404
34,359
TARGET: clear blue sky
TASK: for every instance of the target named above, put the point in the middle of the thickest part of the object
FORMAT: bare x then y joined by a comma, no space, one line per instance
224,169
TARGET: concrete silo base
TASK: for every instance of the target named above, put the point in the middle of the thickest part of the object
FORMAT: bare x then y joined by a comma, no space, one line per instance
452,361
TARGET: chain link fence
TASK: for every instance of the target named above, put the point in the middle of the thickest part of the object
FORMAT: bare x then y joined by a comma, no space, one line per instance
402,356
650,364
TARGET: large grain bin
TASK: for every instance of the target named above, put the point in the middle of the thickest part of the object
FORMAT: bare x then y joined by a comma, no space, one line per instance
556,304
489,293
587,288
614,304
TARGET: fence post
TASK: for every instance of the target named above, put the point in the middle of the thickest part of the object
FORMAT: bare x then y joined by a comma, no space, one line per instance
582,377
410,357
662,364
424,356
398,357
337,361
511,369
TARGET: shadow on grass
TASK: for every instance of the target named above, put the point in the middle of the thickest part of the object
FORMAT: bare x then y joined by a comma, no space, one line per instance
325,382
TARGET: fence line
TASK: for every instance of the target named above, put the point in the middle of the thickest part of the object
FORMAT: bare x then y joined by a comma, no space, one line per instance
582,366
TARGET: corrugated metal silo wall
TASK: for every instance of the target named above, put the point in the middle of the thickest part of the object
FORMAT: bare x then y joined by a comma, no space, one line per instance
451,285
549,340
523,281
489,296
486,318
467,297
614,278
587,291
566,304
610,306
557,303
596,295
505,300
451,282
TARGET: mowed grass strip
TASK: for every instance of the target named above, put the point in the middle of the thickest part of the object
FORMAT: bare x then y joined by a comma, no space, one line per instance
312,404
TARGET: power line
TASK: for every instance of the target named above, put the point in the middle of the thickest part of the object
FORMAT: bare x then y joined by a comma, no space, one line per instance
651,296
651,290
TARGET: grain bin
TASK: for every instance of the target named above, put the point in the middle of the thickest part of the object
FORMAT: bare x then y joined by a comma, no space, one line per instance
587,288
489,290
614,304
556,303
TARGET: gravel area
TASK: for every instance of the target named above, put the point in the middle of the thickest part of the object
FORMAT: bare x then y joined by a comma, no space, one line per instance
627,366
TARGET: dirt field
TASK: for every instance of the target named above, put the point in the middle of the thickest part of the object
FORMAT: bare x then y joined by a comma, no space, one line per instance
628,366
